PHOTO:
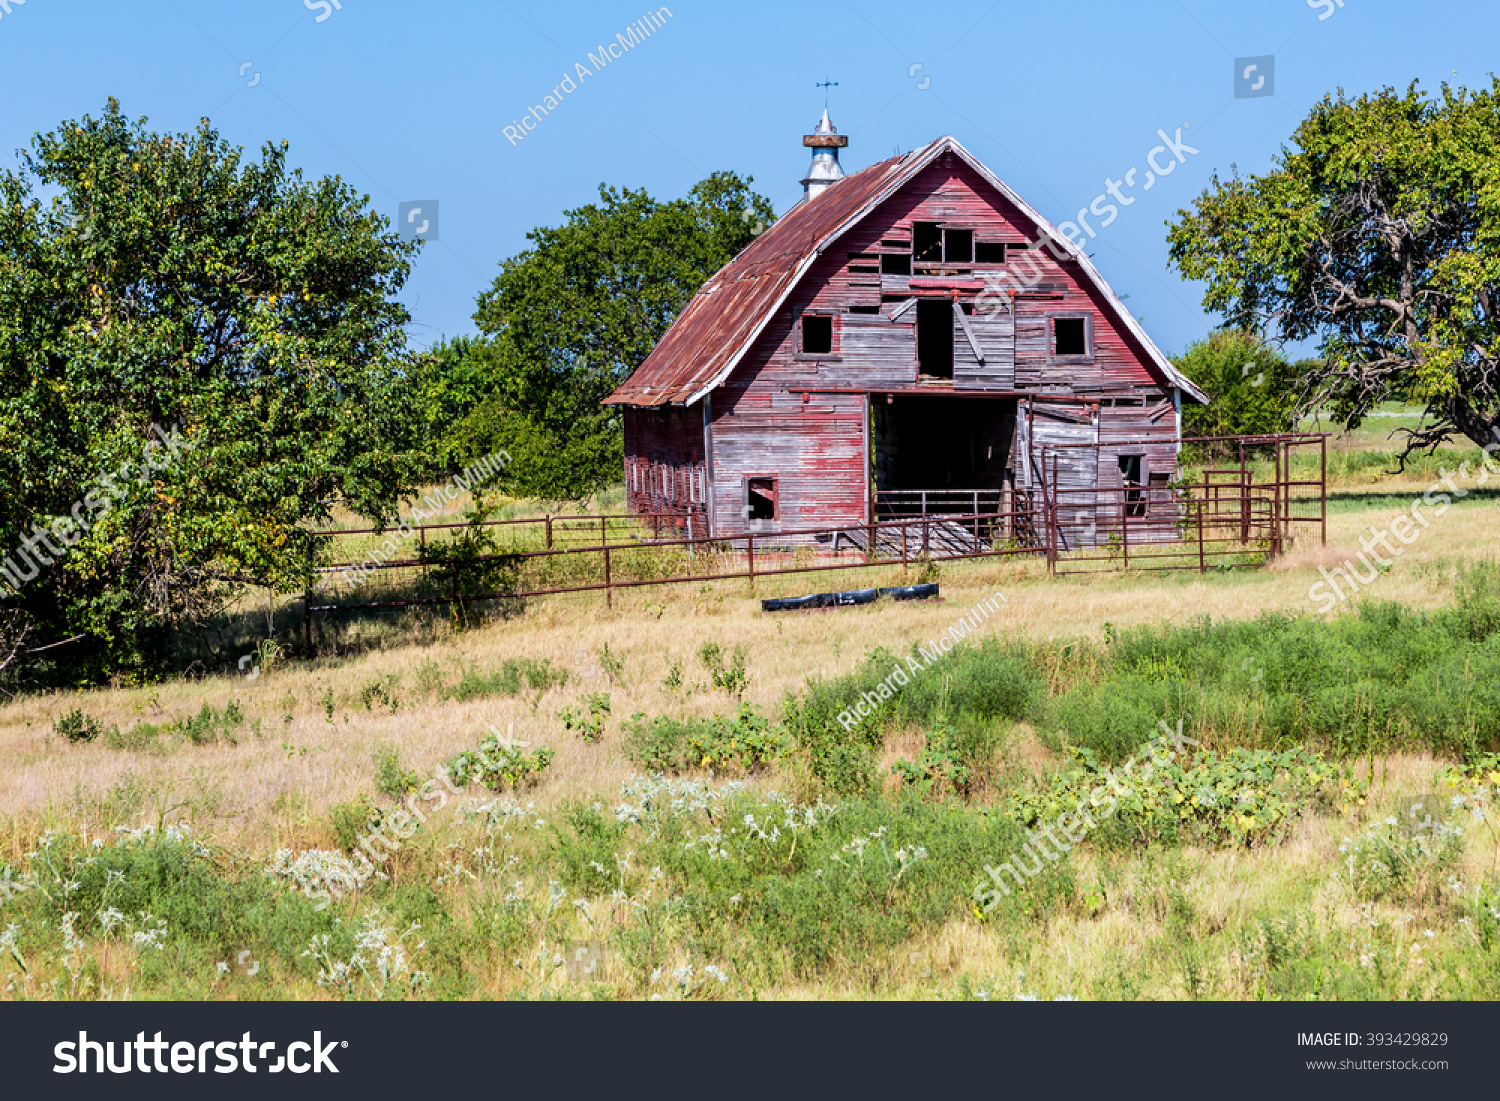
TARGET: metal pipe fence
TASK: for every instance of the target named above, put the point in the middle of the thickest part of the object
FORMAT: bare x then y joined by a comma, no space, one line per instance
1228,518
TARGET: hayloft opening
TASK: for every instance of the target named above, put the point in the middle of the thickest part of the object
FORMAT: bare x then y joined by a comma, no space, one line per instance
935,338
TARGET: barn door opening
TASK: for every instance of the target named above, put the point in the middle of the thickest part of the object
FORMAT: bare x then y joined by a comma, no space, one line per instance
948,452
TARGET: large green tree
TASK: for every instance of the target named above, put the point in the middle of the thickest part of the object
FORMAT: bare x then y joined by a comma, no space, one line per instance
1249,382
168,280
1378,234
567,320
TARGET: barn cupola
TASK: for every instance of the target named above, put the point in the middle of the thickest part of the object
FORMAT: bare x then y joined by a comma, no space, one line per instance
825,142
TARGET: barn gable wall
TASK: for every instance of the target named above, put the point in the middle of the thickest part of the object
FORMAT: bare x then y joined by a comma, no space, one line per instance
775,414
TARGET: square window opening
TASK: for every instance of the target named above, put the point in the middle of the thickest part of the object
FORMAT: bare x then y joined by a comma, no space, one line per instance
892,263
1069,336
927,241
958,246
989,252
817,335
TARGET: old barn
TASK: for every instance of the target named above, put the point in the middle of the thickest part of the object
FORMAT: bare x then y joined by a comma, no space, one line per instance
910,339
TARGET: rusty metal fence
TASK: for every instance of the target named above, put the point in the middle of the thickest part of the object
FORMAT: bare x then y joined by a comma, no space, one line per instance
1232,515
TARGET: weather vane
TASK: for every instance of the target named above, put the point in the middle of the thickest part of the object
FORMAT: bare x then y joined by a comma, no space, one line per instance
825,85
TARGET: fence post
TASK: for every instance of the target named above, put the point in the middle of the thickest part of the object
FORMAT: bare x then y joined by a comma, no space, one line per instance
603,535
1125,530
423,555
549,531
903,547
1323,489
307,604
1202,564
750,548
1244,497
609,600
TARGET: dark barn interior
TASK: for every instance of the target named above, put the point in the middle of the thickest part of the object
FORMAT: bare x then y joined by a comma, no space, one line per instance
942,442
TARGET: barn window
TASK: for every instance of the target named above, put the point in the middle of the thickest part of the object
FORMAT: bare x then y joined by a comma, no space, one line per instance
817,334
958,246
989,252
1132,468
1072,337
895,263
927,241
760,498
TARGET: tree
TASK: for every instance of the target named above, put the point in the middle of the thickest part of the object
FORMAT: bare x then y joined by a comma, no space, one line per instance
172,282
1250,384
569,319
1379,233
447,382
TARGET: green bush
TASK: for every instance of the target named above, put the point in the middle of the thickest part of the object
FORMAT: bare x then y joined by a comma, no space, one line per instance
589,719
139,736
381,691
939,769
392,778
496,764
747,742
508,680
1244,797
210,726
78,726
726,669
1383,677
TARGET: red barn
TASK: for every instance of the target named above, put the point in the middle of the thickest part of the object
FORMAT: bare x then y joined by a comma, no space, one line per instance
912,332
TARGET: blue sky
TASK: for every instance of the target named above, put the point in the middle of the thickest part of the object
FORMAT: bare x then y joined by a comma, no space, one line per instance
409,101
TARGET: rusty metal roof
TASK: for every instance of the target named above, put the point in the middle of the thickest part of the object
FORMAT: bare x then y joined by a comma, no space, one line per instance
722,320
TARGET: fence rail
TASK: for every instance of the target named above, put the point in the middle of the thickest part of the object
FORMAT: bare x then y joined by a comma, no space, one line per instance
1227,518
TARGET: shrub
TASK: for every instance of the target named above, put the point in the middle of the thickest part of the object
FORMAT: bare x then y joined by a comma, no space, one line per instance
939,769
538,675
210,726
140,736
392,778
1244,797
381,691
588,721
351,821
746,742
495,764
731,677
78,726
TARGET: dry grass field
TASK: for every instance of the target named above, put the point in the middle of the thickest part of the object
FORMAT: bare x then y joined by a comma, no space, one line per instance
1147,921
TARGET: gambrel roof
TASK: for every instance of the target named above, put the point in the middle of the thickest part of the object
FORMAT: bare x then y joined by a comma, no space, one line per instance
729,311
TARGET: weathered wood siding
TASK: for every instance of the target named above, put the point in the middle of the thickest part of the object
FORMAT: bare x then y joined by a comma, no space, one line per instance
665,474
817,446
